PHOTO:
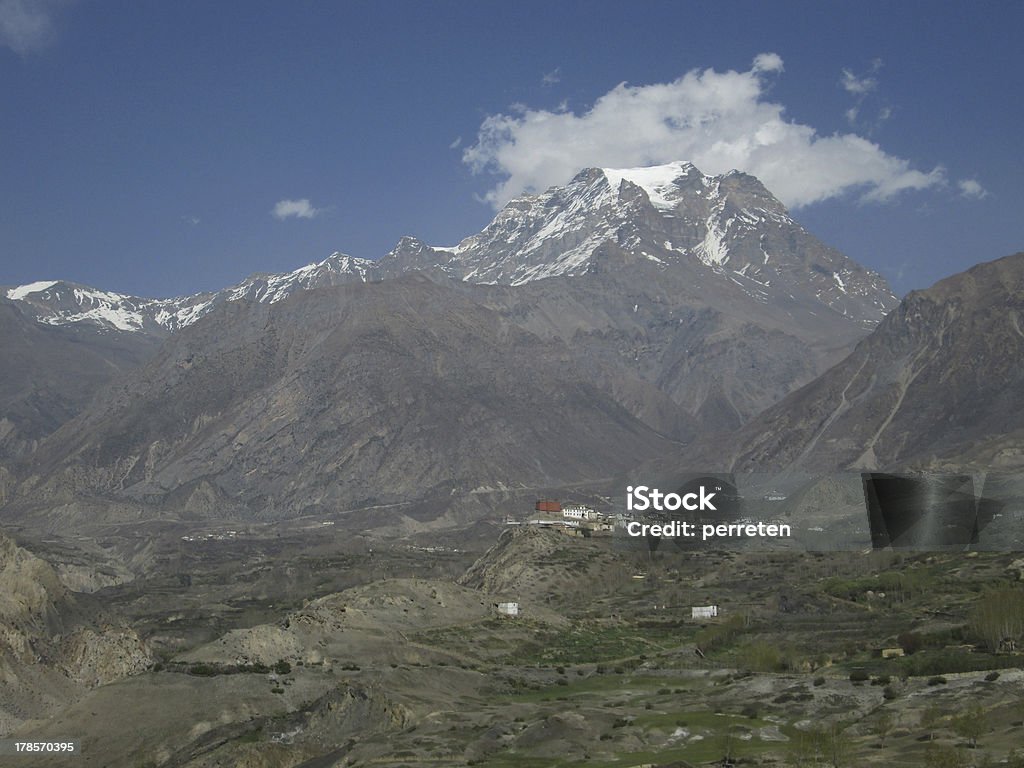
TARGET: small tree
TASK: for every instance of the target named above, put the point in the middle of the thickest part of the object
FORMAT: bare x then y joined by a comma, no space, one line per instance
727,744
971,725
804,749
883,724
930,718
837,746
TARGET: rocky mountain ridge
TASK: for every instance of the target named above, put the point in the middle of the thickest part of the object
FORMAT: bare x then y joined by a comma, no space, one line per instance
669,215
63,303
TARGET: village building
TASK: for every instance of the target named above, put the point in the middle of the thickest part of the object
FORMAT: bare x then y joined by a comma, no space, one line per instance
704,612
508,609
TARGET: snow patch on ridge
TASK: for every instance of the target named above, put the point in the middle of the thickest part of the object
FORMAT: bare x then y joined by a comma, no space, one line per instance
657,181
16,294
118,317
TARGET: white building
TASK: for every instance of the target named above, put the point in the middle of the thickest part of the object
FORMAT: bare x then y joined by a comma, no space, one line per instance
704,612
578,512
508,609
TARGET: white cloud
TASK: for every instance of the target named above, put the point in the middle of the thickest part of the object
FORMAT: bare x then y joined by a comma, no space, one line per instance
858,86
552,78
972,188
862,88
300,209
768,62
717,120
191,220
27,25
456,143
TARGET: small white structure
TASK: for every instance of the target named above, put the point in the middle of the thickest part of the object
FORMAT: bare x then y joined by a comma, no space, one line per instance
508,609
704,612
579,512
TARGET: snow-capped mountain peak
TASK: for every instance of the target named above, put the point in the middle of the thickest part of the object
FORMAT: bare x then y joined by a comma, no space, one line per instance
58,302
660,182
672,215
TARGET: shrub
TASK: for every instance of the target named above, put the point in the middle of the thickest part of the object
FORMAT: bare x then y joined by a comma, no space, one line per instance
859,676
937,680
910,642
763,657
717,636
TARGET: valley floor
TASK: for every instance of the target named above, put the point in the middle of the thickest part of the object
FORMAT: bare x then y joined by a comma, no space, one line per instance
310,648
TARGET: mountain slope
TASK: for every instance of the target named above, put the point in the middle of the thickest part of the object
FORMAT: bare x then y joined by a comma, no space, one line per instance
939,383
51,374
718,357
354,396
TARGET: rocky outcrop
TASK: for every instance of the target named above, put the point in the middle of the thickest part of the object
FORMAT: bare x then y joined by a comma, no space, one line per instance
96,657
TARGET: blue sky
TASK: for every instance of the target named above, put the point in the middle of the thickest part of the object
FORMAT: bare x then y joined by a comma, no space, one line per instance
145,146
